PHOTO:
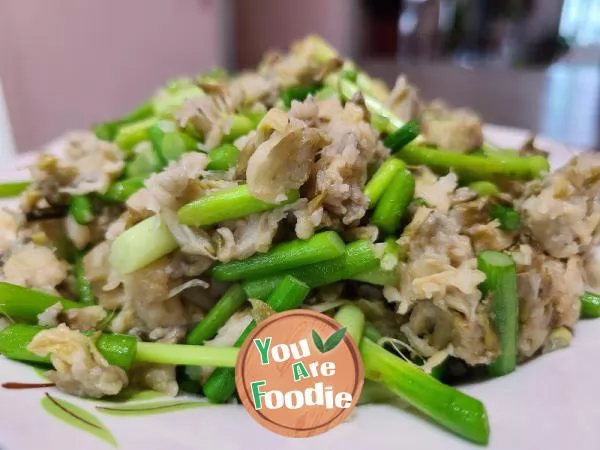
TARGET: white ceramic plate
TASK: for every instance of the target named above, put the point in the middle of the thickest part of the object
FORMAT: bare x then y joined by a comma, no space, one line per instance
552,402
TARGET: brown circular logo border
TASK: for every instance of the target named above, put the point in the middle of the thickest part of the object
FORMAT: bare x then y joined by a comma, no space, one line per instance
269,423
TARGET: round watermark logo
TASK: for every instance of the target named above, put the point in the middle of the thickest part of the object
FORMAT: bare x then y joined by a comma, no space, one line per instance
299,373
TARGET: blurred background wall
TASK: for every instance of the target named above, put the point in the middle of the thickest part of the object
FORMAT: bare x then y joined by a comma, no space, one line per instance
68,63
264,24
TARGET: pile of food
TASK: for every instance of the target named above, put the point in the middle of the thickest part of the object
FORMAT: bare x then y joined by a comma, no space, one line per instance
146,251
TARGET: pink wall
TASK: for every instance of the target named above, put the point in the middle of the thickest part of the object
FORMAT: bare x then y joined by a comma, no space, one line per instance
65,64
265,24
69,63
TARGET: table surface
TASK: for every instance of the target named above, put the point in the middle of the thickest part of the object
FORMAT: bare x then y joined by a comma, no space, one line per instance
561,102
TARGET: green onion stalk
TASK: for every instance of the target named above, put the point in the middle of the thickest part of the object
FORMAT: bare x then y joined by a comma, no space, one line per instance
394,202
590,305
474,167
501,284
285,256
130,251
120,350
358,257
458,412
288,294
21,303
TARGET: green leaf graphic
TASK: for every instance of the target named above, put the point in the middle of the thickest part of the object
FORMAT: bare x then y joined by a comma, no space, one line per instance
41,371
334,340
38,368
77,417
148,408
131,395
318,341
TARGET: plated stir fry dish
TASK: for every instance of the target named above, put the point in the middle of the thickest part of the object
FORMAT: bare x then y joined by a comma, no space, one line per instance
146,250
